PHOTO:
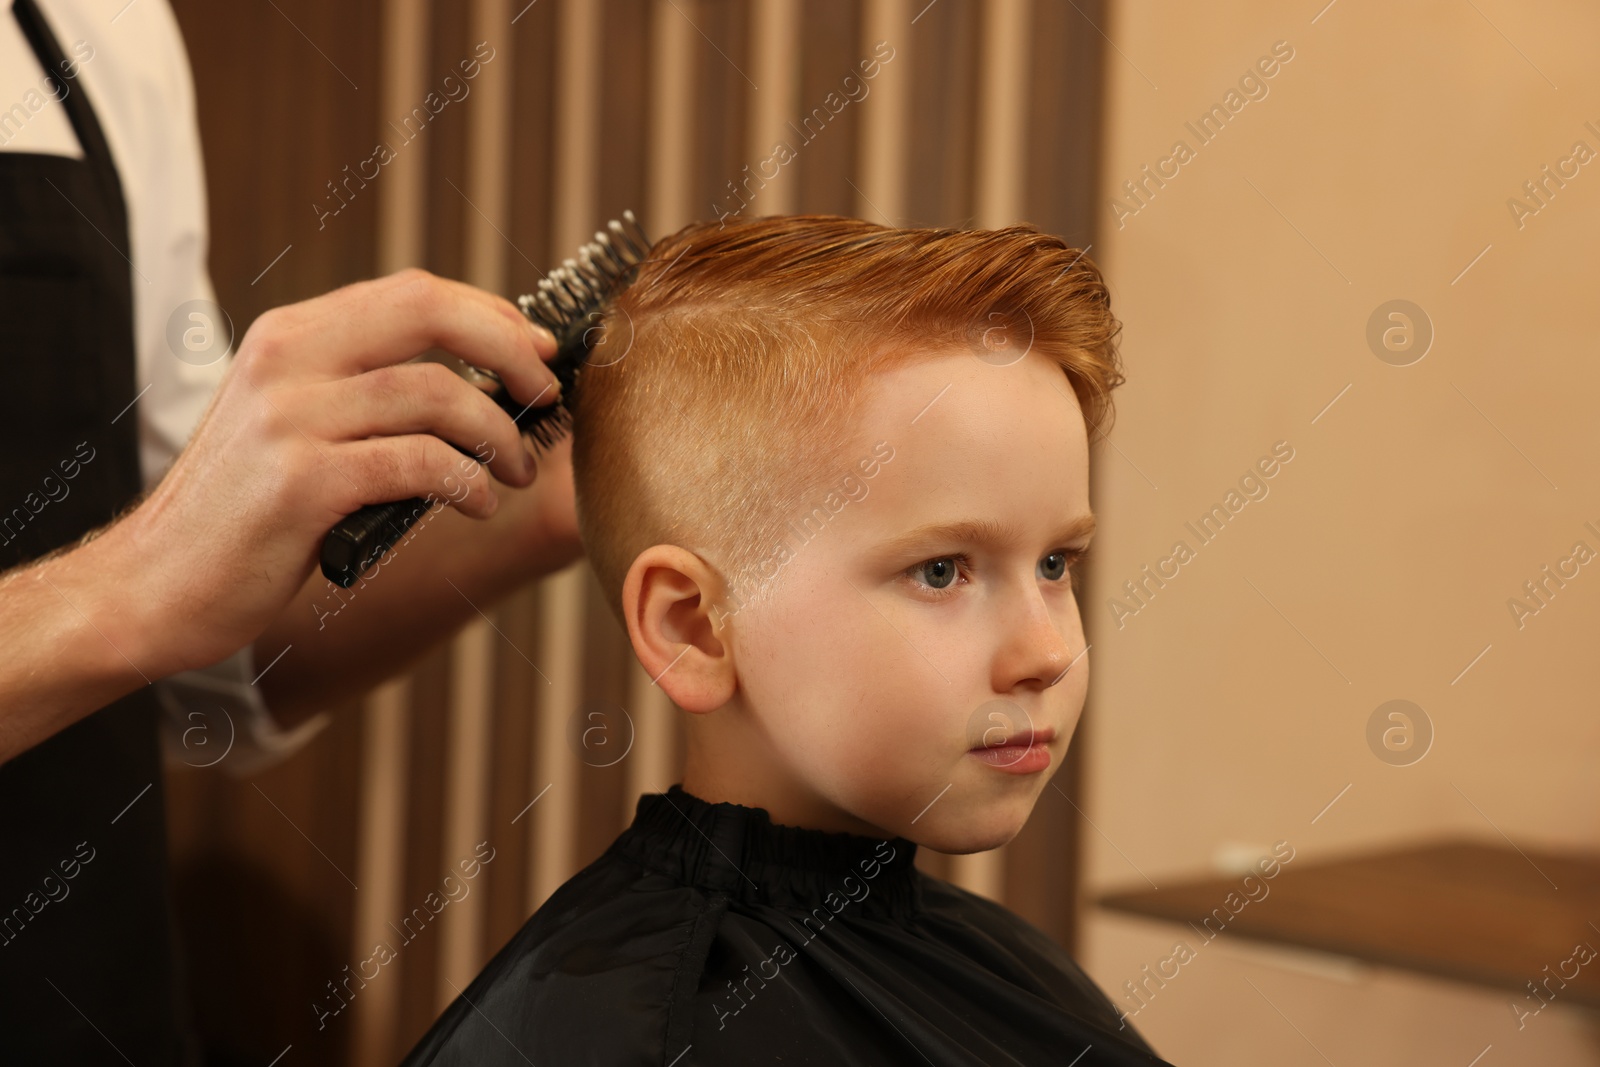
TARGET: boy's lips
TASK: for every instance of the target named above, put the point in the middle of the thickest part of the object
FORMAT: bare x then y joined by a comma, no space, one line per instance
1023,738
1024,752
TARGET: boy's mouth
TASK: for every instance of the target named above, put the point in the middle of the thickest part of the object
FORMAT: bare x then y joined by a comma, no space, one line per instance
1024,752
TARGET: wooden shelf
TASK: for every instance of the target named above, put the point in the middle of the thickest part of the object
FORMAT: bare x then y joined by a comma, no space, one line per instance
1483,913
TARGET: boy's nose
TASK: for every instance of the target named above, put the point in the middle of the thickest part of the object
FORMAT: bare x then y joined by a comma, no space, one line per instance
1033,650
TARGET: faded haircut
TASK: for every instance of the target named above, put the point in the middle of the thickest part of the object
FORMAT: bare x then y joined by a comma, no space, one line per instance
725,392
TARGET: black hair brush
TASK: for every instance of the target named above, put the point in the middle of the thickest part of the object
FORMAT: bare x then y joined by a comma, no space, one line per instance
569,302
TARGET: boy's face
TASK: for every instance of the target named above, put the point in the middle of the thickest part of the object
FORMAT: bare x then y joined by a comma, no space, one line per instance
886,662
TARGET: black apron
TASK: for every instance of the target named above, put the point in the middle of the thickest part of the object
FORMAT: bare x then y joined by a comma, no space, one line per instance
88,970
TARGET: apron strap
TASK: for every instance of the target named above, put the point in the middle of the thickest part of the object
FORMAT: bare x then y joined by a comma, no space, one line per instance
84,123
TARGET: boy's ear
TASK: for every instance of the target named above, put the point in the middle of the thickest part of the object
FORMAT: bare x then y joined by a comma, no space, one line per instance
668,603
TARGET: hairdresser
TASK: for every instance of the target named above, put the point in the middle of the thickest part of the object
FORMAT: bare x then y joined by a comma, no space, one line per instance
139,583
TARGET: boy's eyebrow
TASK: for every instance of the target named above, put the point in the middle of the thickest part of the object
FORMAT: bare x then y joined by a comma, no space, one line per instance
977,531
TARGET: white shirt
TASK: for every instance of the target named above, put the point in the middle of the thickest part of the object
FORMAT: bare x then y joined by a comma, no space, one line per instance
134,70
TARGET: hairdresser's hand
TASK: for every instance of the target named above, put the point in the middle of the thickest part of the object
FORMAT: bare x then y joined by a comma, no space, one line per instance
317,416
337,644
551,506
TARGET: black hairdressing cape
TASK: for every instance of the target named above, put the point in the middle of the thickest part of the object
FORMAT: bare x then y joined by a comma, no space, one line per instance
706,935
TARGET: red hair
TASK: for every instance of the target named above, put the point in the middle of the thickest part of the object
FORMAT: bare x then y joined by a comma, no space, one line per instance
729,381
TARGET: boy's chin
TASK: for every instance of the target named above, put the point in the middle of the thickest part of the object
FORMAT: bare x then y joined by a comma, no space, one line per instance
963,834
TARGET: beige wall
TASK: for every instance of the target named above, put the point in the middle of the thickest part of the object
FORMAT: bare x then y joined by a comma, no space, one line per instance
1232,708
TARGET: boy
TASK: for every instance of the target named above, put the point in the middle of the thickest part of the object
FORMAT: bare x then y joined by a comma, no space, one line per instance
833,478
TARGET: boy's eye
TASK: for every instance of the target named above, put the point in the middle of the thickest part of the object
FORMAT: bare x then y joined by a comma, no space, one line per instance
938,573
1064,563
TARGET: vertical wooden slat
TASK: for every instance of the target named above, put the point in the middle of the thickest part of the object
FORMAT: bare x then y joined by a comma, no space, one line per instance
387,711
1002,145
474,648
381,846
1003,116
1065,120
560,654
942,118
825,144
519,686
562,597
419,950
625,113
720,89
489,135
601,740
518,689
672,51
775,67
402,204
881,184
466,794
1066,89
444,141
536,88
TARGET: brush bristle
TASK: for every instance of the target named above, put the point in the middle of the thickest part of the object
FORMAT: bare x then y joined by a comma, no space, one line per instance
581,284
568,302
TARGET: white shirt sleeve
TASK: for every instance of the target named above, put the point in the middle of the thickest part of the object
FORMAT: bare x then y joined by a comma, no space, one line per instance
216,716
139,81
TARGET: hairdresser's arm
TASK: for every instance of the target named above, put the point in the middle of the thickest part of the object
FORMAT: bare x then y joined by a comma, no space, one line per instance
342,643
318,414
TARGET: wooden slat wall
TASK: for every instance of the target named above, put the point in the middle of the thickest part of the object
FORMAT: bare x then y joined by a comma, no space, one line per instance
989,113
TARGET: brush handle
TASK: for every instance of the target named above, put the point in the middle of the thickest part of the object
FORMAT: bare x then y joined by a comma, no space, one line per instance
362,537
